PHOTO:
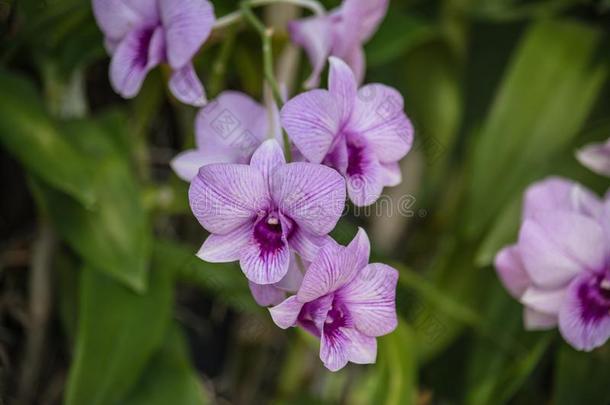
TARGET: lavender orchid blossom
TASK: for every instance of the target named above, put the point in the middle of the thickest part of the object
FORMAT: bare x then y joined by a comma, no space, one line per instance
272,294
340,33
257,213
344,301
596,157
142,34
560,267
228,130
362,133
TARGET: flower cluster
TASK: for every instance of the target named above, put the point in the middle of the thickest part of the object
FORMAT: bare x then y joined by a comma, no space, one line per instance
560,267
271,215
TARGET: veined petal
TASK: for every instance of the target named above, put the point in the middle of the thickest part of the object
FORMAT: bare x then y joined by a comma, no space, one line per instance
334,349
314,34
511,271
584,319
268,157
187,25
365,176
312,121
557,246
362,349
186,87
359,250
231,127
225,248
556,193
135,56
285,314
342,86
307,244
226,196
534,320
263,262
311,195
378,116
186,164
596,157
371,299
326,273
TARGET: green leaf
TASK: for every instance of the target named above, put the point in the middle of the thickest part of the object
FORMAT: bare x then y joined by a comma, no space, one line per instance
397,367
580,377
115,236
169,377
118,332
504,355
547,93
225,281
28,132
398,33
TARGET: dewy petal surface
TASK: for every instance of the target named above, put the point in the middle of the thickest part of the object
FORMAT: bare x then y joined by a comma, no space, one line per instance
370,299
311,195
187,24
225,196
584,319
312,121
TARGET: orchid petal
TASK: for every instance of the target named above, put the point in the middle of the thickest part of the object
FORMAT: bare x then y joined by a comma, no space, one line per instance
534,320
268,157
596,157
342,86
225,248
312,120
378,116
584,319
557,246
285,314
314,34
226,196
186,86
511,271
371,299
187,25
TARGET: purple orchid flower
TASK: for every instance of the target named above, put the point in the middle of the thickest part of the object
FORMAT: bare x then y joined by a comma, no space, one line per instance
257,213
272,294
596,157
228,130
345,302
340,33
142,34
560,267
361,133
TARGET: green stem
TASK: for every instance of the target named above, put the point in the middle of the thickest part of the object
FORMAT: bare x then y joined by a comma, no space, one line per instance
266,34
232,18
219,69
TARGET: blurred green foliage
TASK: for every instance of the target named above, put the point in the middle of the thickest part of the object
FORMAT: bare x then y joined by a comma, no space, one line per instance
501,93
